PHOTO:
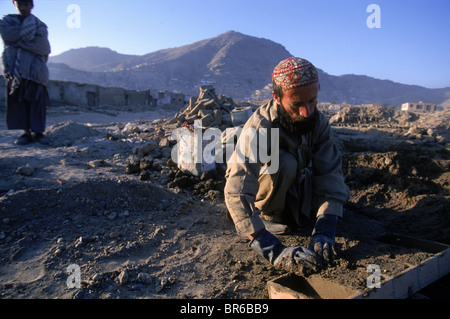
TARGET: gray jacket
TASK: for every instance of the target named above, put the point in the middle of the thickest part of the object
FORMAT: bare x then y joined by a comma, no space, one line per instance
327,180
34,55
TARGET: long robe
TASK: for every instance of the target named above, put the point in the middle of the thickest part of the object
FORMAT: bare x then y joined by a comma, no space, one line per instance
24,67
26,107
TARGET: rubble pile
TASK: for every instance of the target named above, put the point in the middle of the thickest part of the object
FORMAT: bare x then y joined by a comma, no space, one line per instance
152,158
359,129
437,121
212,110
363,114
386,129
381,116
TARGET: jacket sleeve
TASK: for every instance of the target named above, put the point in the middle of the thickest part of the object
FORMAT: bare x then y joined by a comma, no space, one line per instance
39,45
241,188
329,188
9,30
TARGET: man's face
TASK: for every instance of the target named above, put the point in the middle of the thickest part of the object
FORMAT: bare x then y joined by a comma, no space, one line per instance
297,109
23,7
299,102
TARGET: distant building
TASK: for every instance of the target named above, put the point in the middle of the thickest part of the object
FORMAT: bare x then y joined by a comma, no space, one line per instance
334,108
71,93
166,97
330,108
420,107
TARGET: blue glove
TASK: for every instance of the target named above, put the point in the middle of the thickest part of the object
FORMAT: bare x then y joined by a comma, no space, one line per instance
323,237
295,259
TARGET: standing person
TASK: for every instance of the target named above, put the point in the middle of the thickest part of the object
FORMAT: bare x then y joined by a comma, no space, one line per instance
307,184
25,55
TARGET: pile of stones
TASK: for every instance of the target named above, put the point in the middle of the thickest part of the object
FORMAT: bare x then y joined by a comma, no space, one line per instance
212,110
152,159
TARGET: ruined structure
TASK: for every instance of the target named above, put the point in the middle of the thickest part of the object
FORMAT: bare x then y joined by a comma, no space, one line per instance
71,93
420,107
90,95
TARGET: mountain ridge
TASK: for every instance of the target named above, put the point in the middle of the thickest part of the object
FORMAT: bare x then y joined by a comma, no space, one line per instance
236,64
92,58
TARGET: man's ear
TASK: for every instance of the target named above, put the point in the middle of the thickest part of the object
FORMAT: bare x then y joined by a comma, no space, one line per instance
276,97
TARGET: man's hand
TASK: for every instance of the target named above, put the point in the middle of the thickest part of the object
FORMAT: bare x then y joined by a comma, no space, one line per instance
324,247
323,236
296,259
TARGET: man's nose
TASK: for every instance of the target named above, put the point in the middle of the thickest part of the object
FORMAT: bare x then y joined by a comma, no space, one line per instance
307,110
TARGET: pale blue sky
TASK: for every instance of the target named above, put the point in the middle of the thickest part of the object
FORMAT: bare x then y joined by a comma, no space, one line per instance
412,46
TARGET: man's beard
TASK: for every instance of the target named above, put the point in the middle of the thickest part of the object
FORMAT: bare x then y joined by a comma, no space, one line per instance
300,126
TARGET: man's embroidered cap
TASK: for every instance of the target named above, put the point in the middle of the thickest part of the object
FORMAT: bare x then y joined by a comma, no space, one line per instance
294,72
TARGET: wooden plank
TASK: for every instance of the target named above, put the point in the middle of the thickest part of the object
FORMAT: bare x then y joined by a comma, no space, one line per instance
288,287
313,287
403,285
428,246
412,279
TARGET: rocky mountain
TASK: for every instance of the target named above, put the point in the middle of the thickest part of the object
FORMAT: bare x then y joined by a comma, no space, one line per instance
238,65
92,59
361,89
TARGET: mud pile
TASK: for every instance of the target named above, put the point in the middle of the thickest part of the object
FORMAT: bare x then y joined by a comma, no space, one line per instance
68,133
393,185
397,165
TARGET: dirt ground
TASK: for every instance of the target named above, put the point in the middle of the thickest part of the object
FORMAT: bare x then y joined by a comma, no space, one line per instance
139,228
